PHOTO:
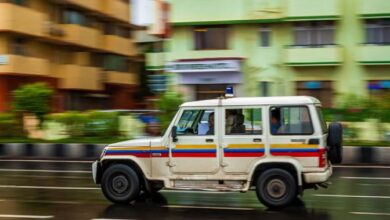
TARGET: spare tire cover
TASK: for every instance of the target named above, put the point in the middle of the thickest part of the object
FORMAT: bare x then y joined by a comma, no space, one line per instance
335,142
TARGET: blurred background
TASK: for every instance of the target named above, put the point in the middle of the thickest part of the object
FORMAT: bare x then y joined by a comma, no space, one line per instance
101,71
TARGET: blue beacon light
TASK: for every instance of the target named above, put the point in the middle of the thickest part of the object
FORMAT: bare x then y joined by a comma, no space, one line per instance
229,92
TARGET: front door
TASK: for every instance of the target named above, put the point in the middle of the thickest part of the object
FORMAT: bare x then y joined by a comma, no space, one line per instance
195,151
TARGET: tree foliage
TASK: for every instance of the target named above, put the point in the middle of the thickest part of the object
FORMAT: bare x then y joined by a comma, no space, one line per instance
33,98
168,104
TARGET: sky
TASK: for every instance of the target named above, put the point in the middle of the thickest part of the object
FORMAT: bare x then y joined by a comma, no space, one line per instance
142,11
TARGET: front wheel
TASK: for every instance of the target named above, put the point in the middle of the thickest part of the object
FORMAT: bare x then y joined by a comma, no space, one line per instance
120,184
276,188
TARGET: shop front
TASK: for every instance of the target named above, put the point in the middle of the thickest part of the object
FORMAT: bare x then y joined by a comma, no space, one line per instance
201,79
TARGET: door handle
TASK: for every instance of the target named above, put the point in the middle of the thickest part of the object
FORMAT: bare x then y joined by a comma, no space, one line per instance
298,140
256,139
209,140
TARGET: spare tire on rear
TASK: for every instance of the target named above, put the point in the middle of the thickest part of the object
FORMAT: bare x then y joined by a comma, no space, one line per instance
335,143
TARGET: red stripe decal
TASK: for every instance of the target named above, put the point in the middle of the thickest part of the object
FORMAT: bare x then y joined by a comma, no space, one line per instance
185,154
296,154
243,154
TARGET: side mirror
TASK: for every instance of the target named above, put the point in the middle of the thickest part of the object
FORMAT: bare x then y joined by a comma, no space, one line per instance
174,134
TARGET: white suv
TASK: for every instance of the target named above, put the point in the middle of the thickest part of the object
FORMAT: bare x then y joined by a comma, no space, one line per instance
278,146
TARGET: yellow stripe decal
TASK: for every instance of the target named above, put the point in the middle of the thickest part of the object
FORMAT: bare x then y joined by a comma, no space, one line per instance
294,145
199,146
245,146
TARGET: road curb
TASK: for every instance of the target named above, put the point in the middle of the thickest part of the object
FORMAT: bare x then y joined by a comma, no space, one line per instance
351,154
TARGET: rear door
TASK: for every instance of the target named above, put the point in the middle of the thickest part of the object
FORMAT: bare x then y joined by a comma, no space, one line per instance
292,133
243,138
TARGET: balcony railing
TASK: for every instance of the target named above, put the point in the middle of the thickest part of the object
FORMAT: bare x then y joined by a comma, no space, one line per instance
314,55
374,8
81,35
24,65
74,77
370,54
312,10
117,9
114,77
21,19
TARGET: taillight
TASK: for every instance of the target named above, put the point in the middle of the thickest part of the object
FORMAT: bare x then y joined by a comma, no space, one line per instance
322,157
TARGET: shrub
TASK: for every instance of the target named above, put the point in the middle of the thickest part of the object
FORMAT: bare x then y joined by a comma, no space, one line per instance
10,126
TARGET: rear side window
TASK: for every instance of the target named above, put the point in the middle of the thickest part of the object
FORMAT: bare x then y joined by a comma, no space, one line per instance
290,120
322,120
245,121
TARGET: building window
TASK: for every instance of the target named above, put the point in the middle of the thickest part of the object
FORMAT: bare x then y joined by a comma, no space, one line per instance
314,33
265,36
76,17
19,47
378,31
211,38
116,63
322,90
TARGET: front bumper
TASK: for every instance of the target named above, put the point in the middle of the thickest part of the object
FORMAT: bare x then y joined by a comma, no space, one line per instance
96,172
318,177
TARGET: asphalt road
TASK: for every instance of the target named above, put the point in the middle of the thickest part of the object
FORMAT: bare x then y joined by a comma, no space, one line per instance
65,190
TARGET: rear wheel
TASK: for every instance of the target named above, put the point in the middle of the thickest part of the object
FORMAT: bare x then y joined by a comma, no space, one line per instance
276,188
120,184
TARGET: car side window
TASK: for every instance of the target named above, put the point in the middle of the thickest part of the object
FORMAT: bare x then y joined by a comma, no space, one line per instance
243,121
290,120
196,122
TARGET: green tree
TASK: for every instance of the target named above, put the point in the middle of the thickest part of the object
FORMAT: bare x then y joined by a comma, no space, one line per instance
168,104
33,98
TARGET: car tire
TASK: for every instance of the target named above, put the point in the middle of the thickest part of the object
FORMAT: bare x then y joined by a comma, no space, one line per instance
335,143
276,188
120,184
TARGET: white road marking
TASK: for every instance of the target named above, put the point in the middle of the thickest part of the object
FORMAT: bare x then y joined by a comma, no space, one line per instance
111,219
360,166
353,196
206,207
41,201
364,178
368,184
370,213
47,161
45,171
42,176
49,187
27,216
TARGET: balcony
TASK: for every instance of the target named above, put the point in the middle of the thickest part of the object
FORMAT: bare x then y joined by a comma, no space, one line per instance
155,61
117,9
312,10
313,56
114,77
74,77
374,55
23,65
119,45
80,35
94,5
21,19
374,8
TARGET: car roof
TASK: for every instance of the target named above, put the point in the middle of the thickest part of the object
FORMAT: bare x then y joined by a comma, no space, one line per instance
245,101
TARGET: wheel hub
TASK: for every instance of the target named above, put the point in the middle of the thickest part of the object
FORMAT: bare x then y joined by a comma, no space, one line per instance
276,188
120,184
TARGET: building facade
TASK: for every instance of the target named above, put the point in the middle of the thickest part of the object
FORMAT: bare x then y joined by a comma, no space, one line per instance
83,49
322,48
